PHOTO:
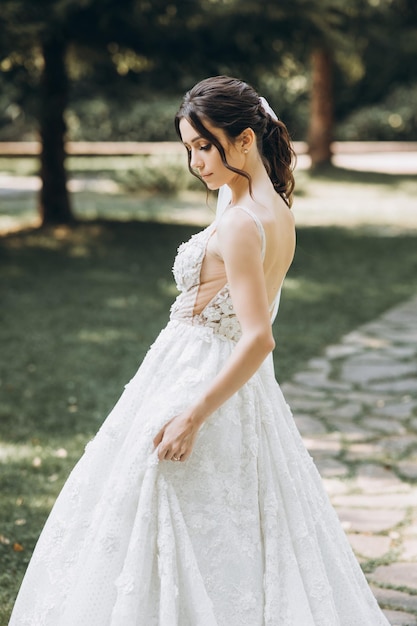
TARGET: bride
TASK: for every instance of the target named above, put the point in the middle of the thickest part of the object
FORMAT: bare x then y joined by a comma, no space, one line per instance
197,504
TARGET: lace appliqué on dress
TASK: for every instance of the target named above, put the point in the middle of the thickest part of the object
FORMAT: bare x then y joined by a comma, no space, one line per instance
218,315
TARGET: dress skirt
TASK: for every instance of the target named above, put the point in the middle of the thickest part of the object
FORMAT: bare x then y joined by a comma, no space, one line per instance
241,534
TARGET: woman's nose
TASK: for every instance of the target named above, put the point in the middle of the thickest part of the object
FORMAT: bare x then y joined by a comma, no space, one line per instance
195,161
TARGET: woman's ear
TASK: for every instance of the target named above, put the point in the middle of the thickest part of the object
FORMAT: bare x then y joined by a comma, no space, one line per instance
246,140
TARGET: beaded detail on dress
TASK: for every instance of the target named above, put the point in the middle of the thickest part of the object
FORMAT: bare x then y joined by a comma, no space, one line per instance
218,314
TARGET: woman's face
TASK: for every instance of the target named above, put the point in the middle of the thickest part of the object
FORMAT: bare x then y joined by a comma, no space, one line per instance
206,159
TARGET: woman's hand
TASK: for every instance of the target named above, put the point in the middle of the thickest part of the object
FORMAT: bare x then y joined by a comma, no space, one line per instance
176,438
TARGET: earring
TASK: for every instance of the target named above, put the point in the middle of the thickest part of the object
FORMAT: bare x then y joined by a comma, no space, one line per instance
245,151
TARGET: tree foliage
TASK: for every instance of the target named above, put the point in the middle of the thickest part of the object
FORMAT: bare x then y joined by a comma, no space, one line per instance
122,51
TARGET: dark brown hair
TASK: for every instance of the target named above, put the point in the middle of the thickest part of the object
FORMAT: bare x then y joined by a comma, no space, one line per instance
232,105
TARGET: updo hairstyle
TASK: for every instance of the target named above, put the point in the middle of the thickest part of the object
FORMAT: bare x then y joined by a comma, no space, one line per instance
233,106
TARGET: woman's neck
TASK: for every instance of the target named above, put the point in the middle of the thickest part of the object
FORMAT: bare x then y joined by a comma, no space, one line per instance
240,188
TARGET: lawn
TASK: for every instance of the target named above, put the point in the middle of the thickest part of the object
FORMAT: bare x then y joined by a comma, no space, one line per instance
80,308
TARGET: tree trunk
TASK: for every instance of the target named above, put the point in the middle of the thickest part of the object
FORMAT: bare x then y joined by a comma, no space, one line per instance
54,202
320,133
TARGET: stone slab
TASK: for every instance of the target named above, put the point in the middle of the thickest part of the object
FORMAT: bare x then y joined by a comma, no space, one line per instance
363,452
399,574
373,478
396,599
409,550
340,350
401,336
323,445
317,380
348,410
351,430
365,397
399,618
305,403
379,501
397,446
408,469
290,389
404,385
384,425
319,364
363,373
400,410
334,486
370,546
328,467
373,521
309,425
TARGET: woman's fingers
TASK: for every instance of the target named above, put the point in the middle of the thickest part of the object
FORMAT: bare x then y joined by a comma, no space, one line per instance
158,438
174,441
176,452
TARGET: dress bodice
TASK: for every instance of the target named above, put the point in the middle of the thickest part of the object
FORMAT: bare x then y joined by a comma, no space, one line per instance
218,314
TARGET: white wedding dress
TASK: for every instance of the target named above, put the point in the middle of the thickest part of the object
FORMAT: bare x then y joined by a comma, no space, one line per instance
241,534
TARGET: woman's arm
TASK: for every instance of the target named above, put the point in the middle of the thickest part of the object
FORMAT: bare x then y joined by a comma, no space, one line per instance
240,246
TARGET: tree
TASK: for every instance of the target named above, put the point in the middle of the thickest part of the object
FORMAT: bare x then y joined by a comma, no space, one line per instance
30,29
320,132
159,33
311,30
166,45
54,203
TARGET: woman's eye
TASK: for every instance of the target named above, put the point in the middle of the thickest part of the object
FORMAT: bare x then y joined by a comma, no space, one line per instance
206,147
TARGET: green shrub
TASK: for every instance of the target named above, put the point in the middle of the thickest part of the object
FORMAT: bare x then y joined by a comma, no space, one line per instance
103,120
394,119
158,175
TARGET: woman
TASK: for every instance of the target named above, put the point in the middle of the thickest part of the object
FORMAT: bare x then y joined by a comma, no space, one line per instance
197,503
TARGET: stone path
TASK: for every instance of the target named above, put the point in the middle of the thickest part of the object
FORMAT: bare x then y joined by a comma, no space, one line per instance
356,409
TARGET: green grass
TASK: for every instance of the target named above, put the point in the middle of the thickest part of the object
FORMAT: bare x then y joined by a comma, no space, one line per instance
80,308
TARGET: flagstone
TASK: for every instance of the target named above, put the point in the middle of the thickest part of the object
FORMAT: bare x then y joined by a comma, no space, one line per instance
374,478
399,618
329,467
370,546
398,600
309,425
408,469
365,520
399,574
356,408
376,501
409,550
384,425
365,372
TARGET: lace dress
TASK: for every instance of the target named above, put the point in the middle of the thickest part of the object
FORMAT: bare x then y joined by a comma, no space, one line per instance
241,534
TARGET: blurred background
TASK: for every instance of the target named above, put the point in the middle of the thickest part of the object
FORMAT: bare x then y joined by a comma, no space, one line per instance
85,72
95,197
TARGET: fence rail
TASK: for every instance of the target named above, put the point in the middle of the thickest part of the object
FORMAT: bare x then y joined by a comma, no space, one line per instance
139,148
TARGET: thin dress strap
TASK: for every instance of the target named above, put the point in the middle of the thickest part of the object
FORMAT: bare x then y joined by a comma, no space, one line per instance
259,226
275,303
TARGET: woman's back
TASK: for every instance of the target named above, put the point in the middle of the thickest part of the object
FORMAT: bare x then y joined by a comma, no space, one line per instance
276,227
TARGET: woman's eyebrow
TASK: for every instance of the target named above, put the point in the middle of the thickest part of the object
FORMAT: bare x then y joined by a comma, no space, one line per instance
196,139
